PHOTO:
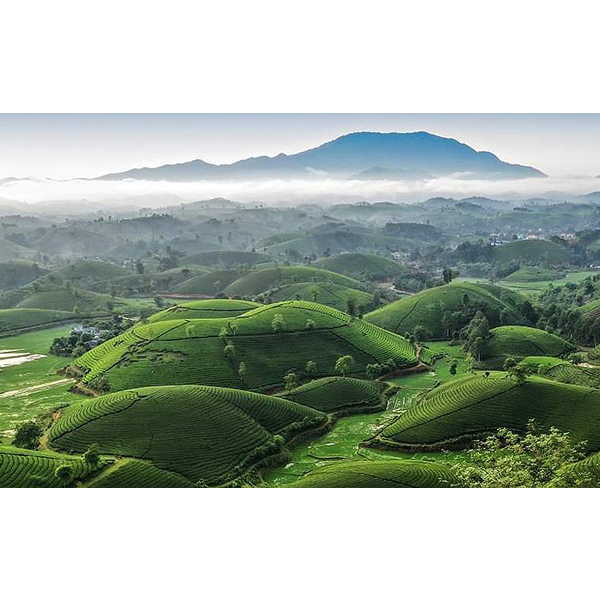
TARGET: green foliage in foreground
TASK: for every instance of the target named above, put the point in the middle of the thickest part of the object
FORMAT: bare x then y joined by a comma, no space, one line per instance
537,459
201,433
379,474
471,406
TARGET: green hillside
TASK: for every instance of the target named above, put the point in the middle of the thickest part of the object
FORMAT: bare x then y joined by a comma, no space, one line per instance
519,342
12,319
426,309
10,251
28,468
473,405
193,351
18,273
332,394
88,274
563,371
226,258
533,274
205,434
204,309
362,266
330,294
207,284
378,474
532,251
257,282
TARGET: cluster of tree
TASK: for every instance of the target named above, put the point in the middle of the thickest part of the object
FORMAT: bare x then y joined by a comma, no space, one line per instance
537,459
477,336
80,340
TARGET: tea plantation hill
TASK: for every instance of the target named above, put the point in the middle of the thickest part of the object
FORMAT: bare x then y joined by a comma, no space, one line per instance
29,468
362,266
519,342
15,274
378,474
207,284
426,309
330,294
193,351
205,434
90,275
261,280
15,319
204,309
335,394
470,406
533,274
535,252
225,258
563,371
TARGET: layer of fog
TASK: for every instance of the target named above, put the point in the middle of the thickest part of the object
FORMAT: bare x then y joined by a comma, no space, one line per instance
279,191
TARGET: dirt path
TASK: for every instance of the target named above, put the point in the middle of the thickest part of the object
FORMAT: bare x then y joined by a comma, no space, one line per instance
35,388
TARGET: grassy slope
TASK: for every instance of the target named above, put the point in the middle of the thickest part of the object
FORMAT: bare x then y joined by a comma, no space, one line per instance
208,283
204,309
226,258
192,352
257,282
202,433
15,274
13,319
533,251
473,405
426,308
362,265
330,294
533,274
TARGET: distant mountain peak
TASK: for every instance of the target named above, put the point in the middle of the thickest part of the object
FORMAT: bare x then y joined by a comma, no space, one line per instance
390,155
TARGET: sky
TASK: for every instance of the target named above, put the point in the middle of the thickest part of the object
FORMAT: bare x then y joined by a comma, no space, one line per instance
66,146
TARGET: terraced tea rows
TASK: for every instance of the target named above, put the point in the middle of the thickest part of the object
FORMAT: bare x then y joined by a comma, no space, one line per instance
192,352
379,474
209,434
332,394
204,309
473,405
27,468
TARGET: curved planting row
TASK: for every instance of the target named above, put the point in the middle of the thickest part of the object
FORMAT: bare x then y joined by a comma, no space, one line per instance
473,405
139,474
27,468
203,433
336,393
379,474
204,309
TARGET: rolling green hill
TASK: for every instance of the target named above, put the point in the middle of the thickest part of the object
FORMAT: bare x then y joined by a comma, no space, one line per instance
88,274
207,284
469,406
330,294
378,474
131,473
536,252
193,351
18,273
333,394
12,319
426,309
532,274
519,342
563,371
362,266
204,309
205,434
226,258
10,251
257,282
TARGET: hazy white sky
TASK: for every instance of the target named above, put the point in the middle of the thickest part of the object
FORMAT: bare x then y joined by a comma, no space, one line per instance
89,145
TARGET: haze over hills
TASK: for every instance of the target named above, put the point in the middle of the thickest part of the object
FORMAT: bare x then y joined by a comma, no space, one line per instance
388,155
